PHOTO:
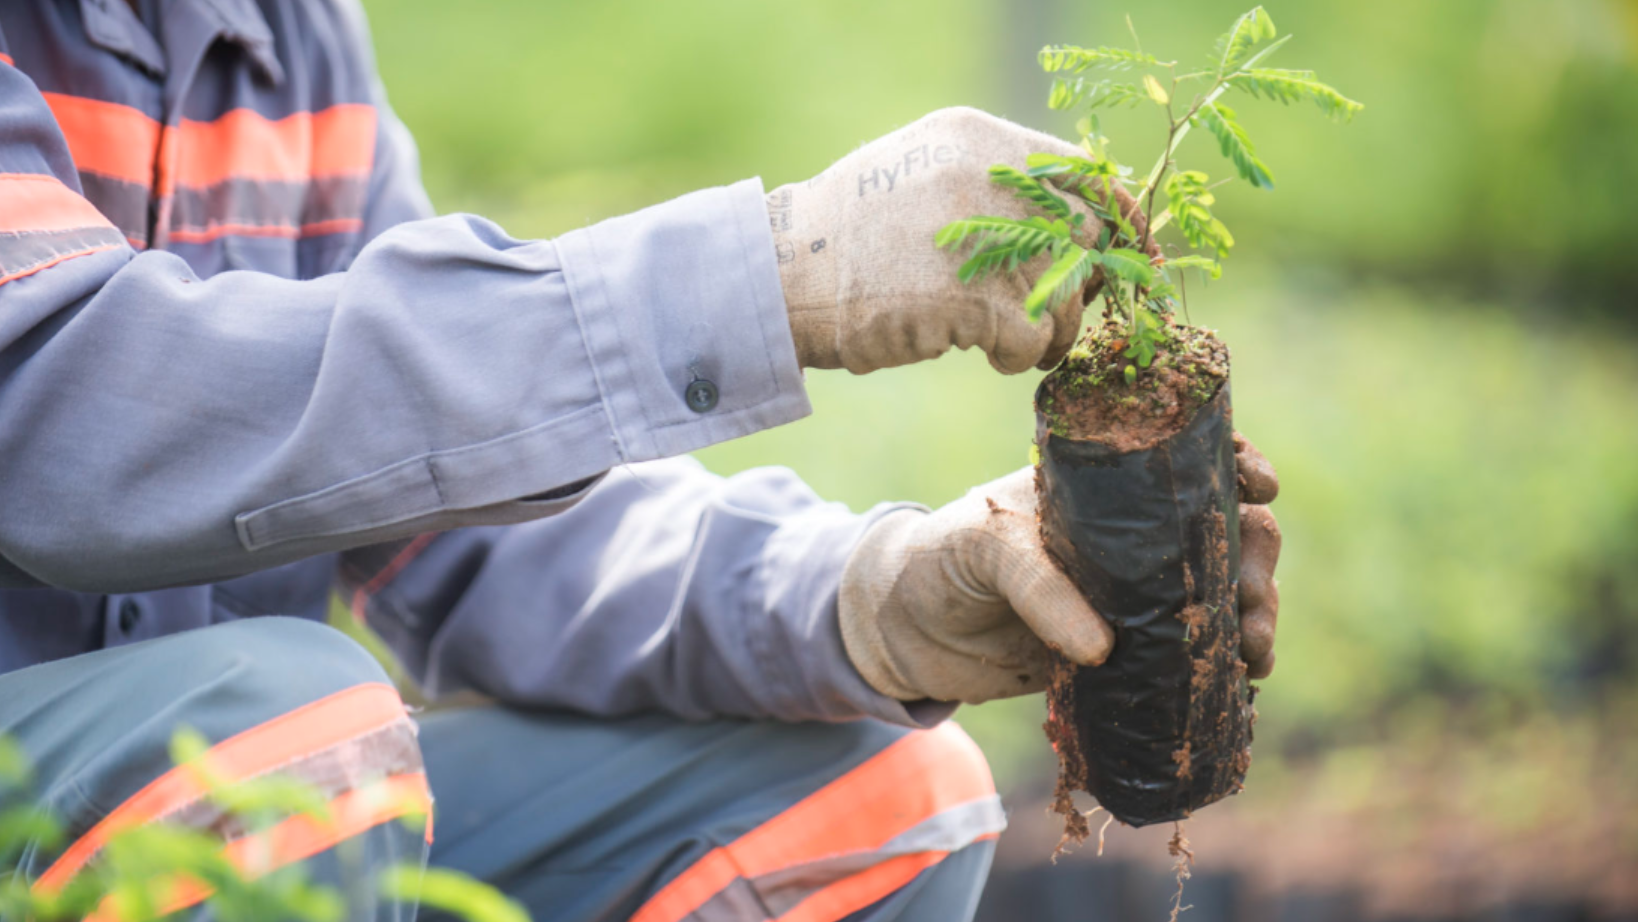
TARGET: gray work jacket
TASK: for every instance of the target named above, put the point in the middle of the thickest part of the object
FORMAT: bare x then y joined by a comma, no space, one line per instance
241,366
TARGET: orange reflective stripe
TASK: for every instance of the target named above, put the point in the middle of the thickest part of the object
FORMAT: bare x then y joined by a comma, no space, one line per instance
6,59
851,894
297,838
311,728
30,270
242,144
315,229
107,138
119,141
918,777
33,202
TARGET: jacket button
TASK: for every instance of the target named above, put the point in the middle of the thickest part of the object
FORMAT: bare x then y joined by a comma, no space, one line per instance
130,614
701,395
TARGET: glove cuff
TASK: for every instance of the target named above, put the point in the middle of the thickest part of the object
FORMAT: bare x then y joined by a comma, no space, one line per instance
867,587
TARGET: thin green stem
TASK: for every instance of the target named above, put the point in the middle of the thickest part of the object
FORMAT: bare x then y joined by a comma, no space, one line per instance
1219,86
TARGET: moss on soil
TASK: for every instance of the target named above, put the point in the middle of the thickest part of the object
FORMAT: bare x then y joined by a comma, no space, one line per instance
1088,397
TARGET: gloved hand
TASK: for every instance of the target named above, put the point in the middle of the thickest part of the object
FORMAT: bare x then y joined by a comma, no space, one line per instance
962,604
864,286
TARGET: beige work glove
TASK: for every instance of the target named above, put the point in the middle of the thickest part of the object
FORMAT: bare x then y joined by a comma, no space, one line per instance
962,604
864,286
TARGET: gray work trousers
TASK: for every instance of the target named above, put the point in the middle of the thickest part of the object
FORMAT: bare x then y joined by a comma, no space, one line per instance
578,818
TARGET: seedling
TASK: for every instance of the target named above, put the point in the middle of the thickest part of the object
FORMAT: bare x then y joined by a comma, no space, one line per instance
1138,289
1135,452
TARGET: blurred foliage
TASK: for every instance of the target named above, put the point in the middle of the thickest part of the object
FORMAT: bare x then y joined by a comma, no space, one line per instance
1496,155
1417,317
161,869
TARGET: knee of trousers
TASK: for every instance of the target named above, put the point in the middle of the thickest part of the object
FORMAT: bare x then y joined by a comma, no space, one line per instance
874,834
269,695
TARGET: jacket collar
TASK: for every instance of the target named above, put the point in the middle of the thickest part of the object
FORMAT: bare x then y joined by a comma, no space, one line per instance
112,26
242,22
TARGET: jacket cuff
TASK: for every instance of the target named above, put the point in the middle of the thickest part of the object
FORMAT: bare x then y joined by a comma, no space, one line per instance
684,320
800,647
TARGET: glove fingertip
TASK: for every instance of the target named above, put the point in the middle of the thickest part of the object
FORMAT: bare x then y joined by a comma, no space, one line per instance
1089,641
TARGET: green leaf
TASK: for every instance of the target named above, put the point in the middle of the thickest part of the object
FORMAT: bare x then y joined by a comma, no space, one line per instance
451,892
1289,86
15,768
1149,334
1100,195
1160,294
1236,145
1030,189
1065,94
1074,59
1208,266
1064,279
1108,94
1128,265
1155,91
1130,373
188,745
24,825
1236,46
957,231
1042,166
1189,201
1000,243
272,797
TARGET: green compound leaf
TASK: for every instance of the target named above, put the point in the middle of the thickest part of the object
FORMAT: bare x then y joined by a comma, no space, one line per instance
1001,243
1289,86
1064,279
1236,145
1107,94
1030,189
1042,166
1129,266
1189,202
1160,295
1075,59
1235,47
1208,266
1066,93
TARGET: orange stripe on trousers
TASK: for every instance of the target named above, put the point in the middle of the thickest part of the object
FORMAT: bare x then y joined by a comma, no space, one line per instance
35,202
918,777
851,894
312,728
299,837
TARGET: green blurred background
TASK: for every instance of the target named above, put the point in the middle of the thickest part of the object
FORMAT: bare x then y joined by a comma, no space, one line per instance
1432,318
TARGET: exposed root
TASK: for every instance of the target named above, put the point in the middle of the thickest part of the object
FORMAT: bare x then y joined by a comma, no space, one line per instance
1107,821
1182,859
1076,828
1061,732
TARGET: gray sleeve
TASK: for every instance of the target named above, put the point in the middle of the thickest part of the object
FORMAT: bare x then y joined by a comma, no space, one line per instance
159,429
664,588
